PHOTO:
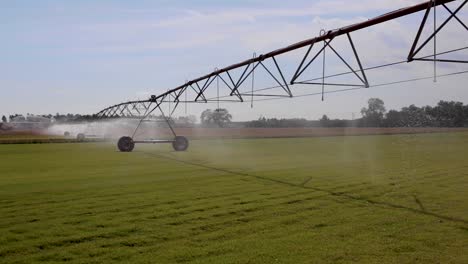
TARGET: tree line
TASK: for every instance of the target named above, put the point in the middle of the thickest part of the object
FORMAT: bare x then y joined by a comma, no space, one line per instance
444,114
60,118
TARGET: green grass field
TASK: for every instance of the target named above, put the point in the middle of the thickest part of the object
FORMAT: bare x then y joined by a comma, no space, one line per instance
366,199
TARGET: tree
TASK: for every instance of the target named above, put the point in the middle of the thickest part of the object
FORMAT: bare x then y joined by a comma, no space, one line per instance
449,114
219,117
206,117
374,114
4,119
413,116
324,122
13,116
465,111
394,119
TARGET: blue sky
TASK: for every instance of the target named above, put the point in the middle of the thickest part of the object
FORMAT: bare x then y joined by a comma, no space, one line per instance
81,56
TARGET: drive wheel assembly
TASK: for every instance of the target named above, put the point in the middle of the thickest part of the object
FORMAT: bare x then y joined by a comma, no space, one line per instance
180,143
126,144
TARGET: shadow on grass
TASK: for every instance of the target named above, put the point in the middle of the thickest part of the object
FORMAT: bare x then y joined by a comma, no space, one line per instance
417,201
421,211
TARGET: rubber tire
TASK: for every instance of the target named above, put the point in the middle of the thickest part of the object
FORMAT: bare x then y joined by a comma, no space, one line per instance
126,144
180,143
66,134
80,137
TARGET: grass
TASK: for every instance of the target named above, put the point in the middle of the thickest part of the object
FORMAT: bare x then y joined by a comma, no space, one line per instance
29,138
367,199
26,136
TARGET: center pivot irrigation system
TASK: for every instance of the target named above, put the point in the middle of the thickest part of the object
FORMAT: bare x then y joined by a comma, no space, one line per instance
195,91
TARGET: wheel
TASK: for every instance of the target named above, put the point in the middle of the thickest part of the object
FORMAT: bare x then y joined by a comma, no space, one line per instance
80,137
66,134
126,144
180,143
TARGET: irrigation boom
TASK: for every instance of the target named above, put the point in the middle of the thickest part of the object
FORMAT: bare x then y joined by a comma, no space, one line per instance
143,108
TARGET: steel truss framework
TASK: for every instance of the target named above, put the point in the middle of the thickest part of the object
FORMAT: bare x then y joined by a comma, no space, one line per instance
197,88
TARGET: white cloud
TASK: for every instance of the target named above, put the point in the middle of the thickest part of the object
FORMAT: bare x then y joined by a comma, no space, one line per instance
256,29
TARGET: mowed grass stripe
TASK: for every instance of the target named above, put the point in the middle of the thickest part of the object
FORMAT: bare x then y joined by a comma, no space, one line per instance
102,208
214,225
222,223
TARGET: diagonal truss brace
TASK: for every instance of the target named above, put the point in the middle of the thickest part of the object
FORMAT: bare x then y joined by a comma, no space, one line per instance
280,79
232,88
327,44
